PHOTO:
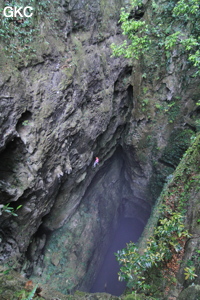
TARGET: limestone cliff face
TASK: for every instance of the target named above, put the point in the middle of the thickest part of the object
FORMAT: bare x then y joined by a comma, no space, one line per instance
70,104
59,111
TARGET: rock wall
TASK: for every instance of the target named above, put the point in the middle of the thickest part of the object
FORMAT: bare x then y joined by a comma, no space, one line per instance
182,188
61,109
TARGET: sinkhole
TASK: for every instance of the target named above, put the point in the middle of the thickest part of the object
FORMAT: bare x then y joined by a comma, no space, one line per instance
112,212
128,221
106,281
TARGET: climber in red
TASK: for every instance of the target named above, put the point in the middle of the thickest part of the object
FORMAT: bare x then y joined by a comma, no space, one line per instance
96,162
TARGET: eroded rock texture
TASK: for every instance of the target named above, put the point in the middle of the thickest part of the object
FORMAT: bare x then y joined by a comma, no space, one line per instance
62,109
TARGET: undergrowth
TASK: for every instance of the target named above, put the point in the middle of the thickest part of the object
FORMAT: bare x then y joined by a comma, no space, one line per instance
153,269
174,27
18,34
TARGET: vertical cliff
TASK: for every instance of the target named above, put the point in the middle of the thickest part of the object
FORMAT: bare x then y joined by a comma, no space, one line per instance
61,106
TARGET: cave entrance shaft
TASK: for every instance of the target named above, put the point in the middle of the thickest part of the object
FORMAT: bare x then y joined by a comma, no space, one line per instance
74,253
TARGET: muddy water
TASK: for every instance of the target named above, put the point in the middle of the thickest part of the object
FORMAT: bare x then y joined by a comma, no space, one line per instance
129,229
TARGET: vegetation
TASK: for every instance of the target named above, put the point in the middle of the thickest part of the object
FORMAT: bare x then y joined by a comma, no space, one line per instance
8,209
175,25
25,123
190,273
17,34
145,268
31,294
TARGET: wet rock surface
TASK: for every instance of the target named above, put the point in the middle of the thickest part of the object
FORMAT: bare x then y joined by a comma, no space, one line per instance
56,119
73,103
83,240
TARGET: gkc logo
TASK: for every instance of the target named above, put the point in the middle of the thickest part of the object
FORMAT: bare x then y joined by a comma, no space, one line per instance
21,11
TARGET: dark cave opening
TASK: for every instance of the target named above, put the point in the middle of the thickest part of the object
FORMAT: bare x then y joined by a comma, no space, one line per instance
137,13
128,230
26,116
111,213
127,226
23,122
9,160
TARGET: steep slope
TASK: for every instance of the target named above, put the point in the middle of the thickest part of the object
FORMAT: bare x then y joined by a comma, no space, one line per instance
167,256
63,107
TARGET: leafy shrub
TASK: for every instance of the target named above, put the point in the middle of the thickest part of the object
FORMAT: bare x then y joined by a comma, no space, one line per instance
161,32
190,273
160,258
8,209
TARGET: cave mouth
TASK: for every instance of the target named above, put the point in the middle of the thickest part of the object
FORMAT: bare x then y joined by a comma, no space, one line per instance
128,222
106,281
131,211
112,212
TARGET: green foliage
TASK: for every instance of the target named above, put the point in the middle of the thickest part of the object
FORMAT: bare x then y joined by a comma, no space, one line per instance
18,34
5,272
190,273
10,210
173,110
32,293
145,102
198,103
158,106
136,296
135,267
164,32
172,40
139,43
25,123
178,142
186,9
142,266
